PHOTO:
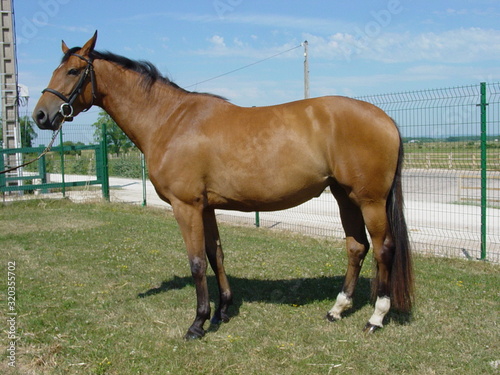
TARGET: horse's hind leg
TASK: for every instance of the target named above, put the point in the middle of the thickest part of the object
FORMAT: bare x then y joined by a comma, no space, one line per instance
356,245
216,258
383,252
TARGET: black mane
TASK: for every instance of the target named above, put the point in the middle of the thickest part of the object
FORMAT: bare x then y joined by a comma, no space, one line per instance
150,73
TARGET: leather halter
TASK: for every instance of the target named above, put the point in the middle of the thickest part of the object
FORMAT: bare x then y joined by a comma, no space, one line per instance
66,109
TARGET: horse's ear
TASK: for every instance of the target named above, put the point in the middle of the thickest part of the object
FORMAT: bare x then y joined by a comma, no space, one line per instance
65,48
89,46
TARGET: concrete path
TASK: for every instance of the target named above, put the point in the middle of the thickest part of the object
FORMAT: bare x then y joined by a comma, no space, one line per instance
437,224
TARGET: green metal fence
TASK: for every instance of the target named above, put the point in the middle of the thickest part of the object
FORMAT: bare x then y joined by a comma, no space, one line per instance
61,161
451,175
452,169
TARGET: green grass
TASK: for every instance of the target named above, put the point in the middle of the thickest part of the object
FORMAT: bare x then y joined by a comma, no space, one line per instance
81,268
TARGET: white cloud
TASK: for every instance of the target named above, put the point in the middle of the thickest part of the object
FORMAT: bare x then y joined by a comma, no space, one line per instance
278,21
79,29
453,46
237,48
217,41
468,12
371,41
238,42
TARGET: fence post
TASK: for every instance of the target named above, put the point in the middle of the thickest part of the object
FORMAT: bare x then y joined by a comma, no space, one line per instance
143,170
483,105
42,172
104,157
62,163
3,181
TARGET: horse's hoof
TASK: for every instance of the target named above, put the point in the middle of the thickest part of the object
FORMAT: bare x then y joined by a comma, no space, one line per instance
331,318
370,328
194,334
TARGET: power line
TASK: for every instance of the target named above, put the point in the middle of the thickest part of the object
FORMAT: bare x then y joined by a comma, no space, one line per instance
244,67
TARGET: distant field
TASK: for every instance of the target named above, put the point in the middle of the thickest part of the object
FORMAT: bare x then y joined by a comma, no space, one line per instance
80,269
451,155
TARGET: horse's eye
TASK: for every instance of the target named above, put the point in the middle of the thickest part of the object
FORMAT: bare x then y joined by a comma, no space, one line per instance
73,72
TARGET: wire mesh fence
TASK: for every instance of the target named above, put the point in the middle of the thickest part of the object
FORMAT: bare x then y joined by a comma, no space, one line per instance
451,174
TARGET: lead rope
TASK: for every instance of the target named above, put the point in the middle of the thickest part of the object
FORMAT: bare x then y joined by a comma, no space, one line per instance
47,149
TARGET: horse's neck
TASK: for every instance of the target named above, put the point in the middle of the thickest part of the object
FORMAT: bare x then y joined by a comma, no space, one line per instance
134,107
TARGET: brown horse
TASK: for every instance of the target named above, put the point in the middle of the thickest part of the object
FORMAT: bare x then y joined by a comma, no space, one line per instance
204,153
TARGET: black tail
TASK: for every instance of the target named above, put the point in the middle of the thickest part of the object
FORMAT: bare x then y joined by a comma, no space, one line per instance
402,280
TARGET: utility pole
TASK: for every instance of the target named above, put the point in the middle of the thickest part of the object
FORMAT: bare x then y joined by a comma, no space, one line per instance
306,70
8,83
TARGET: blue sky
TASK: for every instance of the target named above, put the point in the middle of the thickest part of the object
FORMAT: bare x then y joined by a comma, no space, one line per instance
355,47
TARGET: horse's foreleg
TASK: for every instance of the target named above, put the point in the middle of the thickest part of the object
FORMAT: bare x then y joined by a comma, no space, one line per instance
190,220
356,245
216,258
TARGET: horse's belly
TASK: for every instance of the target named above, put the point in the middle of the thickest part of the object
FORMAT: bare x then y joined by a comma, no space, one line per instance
265,197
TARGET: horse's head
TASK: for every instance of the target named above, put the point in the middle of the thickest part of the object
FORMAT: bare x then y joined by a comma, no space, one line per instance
71,89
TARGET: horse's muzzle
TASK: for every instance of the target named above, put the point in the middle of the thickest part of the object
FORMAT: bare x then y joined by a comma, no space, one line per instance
44,120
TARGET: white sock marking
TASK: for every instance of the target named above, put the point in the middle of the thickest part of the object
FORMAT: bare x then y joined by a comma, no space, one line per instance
382,307
341,304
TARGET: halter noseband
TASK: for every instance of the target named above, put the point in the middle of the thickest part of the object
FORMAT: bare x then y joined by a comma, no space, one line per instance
66,109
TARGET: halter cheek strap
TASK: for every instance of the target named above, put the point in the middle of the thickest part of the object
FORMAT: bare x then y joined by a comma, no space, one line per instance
66,109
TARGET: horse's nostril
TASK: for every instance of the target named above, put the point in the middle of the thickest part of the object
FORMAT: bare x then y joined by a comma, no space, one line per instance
40,117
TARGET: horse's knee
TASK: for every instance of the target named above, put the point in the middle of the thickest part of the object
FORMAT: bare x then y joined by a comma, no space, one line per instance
198,267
